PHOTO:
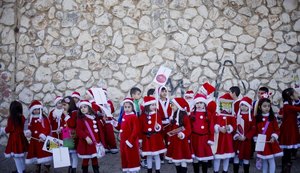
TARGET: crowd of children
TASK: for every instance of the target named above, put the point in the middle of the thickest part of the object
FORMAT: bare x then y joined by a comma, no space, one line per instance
193,129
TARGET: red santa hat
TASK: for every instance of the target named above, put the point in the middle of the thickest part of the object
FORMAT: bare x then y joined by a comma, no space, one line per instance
127,100
189,93
85,102
57,99
76,95
200,98
35,104
148,100
182,105
248,102
207,89
90,93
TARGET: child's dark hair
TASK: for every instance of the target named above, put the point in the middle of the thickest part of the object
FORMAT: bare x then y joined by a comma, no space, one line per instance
134,90
81,115
16,112
259,112
265,89
147,110
286,95
150,91
181,115
70,101
236,90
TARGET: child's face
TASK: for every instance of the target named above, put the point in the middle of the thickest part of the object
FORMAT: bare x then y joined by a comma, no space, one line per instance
136,95
36,111
59,105
66,106
265,107
244,108
153,107
76,99
163,93
84,109
200,105
174,107
233,95
127,107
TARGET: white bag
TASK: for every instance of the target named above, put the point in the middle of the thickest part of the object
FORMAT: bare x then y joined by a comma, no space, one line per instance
61,157
100,150
261,142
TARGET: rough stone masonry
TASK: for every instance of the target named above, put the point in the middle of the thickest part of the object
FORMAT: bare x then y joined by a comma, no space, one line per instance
54,47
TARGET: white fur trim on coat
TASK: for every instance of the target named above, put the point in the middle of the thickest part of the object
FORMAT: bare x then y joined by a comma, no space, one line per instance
128,144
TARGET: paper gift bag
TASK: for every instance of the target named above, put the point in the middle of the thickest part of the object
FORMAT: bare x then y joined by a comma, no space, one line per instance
51,143
61,157
261,142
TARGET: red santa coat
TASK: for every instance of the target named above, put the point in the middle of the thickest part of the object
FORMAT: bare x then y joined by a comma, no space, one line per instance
85,150
38,127
179,150
202,136
271,149
211,106
242,148
225,141
289,131
17,143
236,107
129,142
152,140
109,135
55,122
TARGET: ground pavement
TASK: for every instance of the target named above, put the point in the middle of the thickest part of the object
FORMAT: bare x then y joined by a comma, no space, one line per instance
112,164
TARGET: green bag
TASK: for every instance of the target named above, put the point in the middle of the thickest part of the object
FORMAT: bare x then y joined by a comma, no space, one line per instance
69,142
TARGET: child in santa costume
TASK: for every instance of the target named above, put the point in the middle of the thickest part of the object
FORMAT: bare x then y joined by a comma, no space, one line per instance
56,118
17,144
189,97
225,124
76,97
98,112
38,129
70,118
266,124
244,135
202,136
110,140
88,132
129,138
152,140
289,132
179,130
207,89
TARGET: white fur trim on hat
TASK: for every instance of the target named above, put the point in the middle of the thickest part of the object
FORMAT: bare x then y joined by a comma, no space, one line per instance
76,96
203,90
246,103
85,103
149,102
57,99
35,107
200,99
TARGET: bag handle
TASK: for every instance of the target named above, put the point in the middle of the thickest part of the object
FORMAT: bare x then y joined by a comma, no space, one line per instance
266,126
90,131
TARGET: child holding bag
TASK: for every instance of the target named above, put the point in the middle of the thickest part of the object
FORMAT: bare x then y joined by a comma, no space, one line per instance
17,144
266,124
87,130
152,139
179,131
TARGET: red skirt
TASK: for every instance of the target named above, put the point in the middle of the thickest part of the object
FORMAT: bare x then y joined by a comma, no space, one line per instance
36,155
201,149
153,144
17,145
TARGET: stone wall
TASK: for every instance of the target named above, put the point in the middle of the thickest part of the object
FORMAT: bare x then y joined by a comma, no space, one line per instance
54,47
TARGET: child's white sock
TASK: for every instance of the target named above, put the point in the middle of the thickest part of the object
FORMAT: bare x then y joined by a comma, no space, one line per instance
74,160
272,165
265,166
236,159
149,162
225,164
19,164
217,165
157,162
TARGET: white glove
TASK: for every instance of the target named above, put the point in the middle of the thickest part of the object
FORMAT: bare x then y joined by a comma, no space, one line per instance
42,137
